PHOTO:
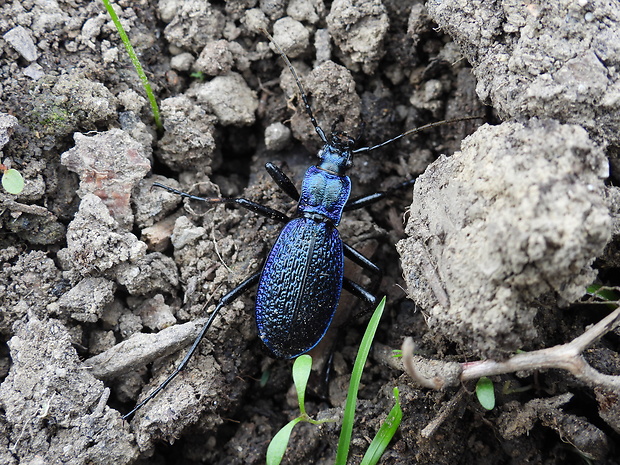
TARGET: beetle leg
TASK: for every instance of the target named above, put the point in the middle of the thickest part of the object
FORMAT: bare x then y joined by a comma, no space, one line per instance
245,203
282,180
360,202
227,299
359,292
360,259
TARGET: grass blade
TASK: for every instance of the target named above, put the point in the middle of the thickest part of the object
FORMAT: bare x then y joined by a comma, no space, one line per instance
349,409
385,434
136,63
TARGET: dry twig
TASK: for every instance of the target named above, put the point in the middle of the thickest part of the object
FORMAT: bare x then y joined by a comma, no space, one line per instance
438,375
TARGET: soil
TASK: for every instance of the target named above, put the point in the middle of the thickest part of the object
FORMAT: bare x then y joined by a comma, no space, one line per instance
105,280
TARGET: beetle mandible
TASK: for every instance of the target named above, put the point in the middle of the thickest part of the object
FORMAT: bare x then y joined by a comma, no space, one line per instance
303,275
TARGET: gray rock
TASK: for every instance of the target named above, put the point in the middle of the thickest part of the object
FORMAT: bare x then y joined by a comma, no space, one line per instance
358,27
558,60
518,213
21,40
229,98
110,164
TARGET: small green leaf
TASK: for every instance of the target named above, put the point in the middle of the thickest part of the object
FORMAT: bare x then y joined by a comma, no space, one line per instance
278,444
12,181
198,75
485,393
602,292
344,441
301,374
264,378
384,435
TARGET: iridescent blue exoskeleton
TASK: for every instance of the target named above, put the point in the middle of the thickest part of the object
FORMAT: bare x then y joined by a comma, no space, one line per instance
300,285
302,278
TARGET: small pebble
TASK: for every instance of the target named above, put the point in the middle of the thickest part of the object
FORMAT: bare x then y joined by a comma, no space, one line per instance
20,40
277,136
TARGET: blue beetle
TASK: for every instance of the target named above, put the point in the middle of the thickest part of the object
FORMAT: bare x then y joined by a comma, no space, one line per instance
303,275
300,284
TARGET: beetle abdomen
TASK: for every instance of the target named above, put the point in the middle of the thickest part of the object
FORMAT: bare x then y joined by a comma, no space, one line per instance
299,288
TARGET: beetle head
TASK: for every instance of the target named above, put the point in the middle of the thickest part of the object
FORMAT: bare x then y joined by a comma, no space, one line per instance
336,154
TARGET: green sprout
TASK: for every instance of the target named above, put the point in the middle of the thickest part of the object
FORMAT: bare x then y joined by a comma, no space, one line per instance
12,180
136,63
485,393
385,434
604,293
198,75
356,376
301,373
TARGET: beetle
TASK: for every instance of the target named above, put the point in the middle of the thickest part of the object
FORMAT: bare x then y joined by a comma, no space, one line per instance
303,274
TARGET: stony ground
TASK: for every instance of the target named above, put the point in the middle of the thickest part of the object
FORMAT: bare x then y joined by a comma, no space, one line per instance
105,280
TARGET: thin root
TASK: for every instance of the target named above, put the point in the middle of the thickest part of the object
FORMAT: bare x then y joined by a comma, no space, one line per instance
438,375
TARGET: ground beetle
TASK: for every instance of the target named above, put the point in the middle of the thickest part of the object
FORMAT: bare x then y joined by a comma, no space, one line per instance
300,284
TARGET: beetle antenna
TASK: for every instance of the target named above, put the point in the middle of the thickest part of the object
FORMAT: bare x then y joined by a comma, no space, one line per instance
317,128
415,131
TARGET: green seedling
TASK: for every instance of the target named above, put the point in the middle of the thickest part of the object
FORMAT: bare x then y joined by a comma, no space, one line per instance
264,378
356,375
198,75
301,373
604,293
485,392
136,63
12,180
384,435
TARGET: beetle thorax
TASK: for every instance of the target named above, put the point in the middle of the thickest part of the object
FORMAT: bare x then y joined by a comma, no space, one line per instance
324,193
